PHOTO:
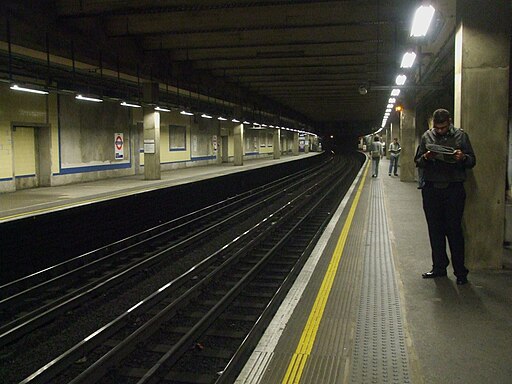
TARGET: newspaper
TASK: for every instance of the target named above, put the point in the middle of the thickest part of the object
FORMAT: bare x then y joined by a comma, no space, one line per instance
442,152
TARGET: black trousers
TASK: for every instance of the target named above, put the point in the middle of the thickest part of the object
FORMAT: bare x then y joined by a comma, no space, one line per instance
443,209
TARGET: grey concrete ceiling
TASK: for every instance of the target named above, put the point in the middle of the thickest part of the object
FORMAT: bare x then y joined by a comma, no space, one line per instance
304,59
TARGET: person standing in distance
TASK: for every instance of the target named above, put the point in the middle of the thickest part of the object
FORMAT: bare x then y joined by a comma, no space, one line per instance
377,151
444,155
394,150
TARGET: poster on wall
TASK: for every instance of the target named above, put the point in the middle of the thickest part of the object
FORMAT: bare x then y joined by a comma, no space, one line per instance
149,146
302,143
119,146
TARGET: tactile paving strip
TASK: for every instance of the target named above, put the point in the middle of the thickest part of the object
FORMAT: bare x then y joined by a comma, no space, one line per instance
380,354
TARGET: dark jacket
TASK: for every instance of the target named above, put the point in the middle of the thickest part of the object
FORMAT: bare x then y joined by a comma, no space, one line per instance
439,171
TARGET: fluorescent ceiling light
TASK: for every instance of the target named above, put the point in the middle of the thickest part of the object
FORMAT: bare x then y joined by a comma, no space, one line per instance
388,110
246,122
87,98
263,125
161,109
30,90
408,60
392,100
422,20
221,118
400,79
395,92
186,113
206,116
271,126
389,106
235,120
125,104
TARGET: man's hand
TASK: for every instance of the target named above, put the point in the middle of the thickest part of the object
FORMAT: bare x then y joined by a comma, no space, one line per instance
428,155
459,155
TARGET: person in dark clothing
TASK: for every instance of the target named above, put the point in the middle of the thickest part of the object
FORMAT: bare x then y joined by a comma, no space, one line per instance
377,152
444,155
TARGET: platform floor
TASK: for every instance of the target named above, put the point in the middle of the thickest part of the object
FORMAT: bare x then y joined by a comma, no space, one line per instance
29,202
361,313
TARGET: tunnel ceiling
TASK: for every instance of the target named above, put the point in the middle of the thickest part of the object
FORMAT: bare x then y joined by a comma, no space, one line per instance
301,59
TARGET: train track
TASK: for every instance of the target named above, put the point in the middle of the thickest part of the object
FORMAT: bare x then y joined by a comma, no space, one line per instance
210,312
70,284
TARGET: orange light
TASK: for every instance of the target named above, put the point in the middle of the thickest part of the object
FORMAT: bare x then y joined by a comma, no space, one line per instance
398,108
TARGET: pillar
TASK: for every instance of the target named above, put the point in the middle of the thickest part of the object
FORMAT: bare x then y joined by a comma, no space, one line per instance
238,141
277,143
482,57
295,143
151,144
408,144
388,138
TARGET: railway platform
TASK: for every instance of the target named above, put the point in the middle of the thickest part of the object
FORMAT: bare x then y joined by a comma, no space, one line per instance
360,311
35,201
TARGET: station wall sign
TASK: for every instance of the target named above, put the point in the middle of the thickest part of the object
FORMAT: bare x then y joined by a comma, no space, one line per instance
119,146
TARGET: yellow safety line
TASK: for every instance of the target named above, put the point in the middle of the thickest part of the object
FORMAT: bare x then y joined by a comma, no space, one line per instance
299,358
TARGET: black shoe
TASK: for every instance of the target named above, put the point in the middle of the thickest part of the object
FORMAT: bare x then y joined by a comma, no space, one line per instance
389,174
462,280
432,274
396,174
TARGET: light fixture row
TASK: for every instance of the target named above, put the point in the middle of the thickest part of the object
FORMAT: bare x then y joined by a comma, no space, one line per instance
130,104
420,25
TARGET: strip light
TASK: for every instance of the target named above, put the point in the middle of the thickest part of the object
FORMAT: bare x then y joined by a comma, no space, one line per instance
422,19
221,118
125,104
186,113
408,60
87,98
400,79
30,90
206,116
161,109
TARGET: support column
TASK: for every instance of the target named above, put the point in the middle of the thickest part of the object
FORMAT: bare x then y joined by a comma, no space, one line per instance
277,143
151,144
389,139
295,143
482,57
408,144
238,141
